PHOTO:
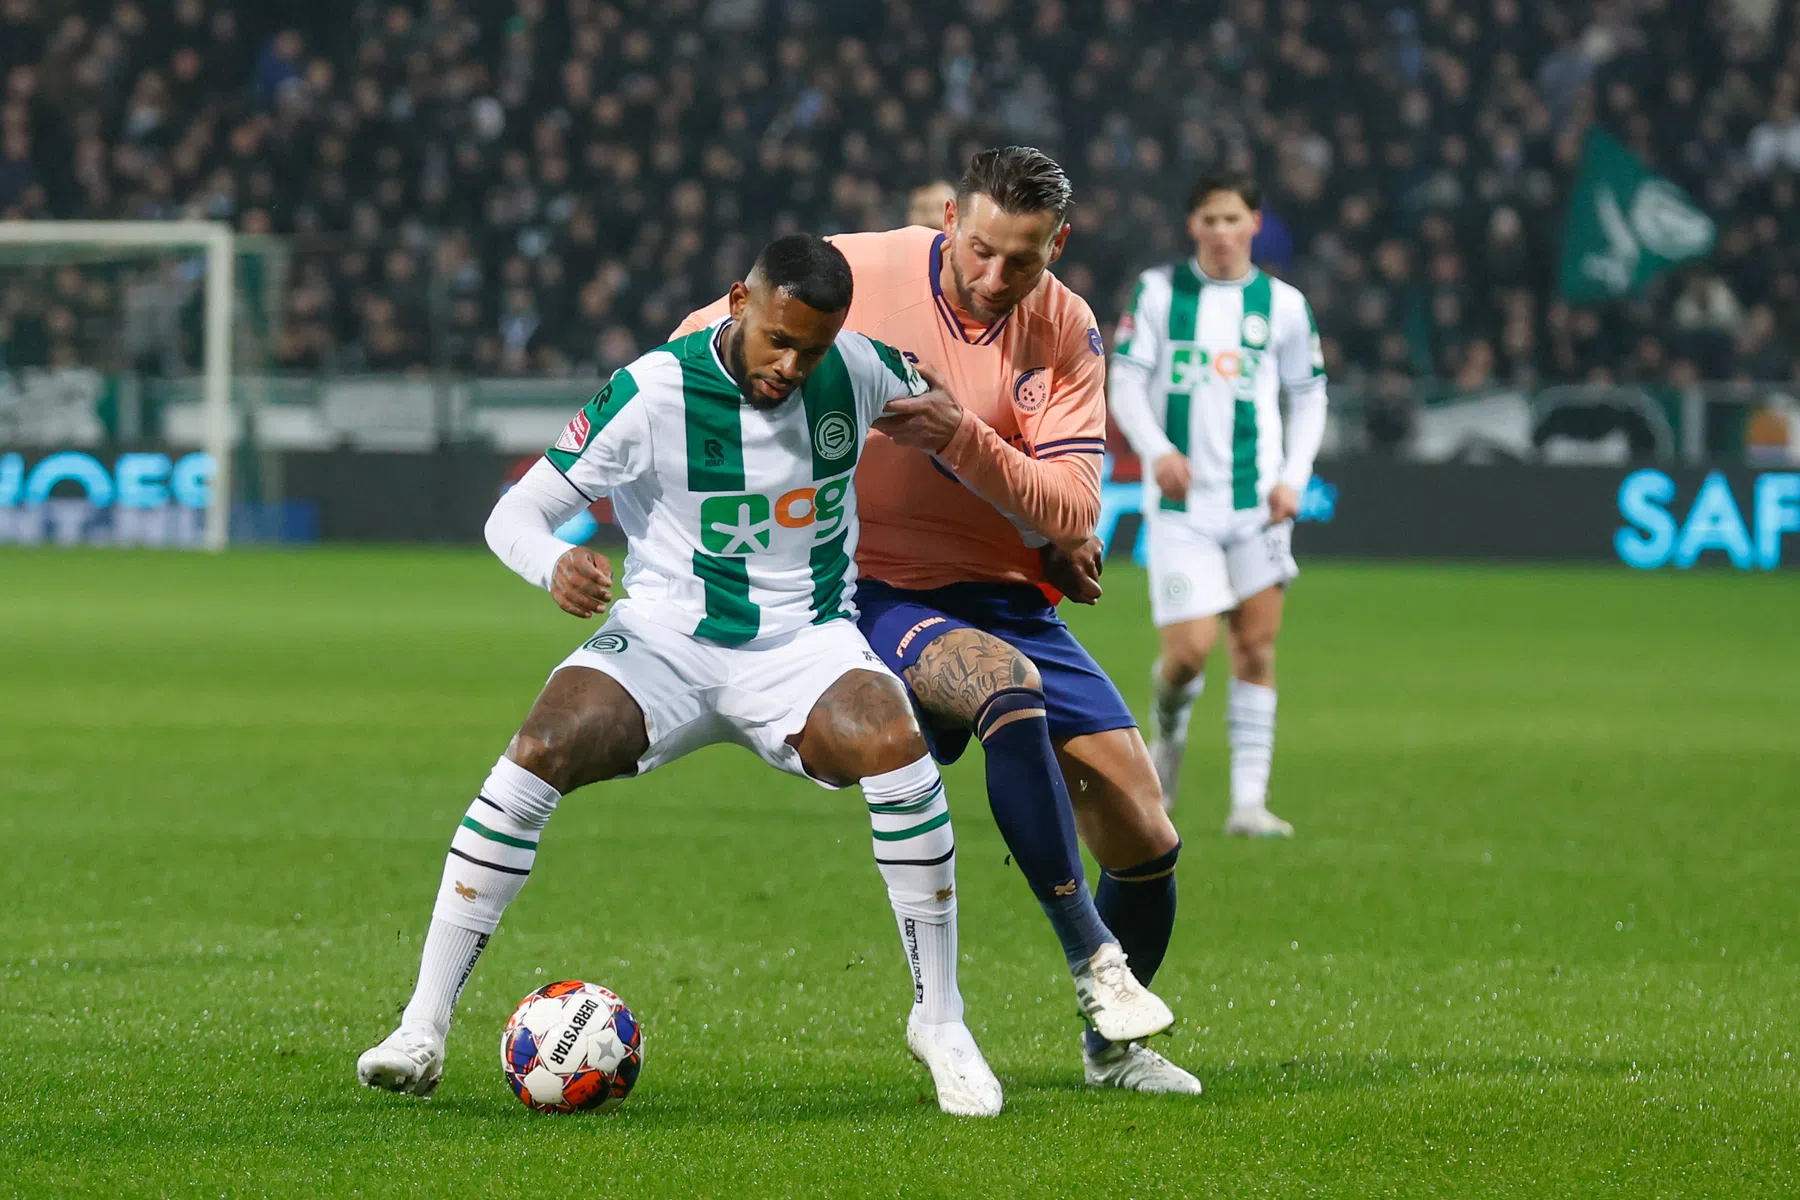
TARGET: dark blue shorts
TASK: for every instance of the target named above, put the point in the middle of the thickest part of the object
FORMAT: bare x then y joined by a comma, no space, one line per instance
899,624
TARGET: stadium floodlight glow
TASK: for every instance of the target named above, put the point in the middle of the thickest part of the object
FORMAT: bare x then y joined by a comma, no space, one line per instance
219,243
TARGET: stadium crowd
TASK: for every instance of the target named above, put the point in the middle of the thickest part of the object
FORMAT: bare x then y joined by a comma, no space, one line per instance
507,186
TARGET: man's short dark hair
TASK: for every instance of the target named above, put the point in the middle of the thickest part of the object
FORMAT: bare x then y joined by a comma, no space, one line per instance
1224,179
1018,179
808,268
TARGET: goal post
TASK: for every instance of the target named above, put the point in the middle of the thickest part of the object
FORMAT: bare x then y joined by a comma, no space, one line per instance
218,242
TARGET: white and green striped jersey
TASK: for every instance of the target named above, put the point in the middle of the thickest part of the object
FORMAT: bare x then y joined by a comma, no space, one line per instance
741,522
1219,354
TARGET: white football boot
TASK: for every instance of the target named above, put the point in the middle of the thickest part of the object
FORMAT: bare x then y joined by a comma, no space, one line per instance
1168,740
407,1060
1137,1068
1118,1007
965,1085
1256,822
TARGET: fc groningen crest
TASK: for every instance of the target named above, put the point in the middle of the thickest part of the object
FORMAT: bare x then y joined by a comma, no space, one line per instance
834,436
1255,331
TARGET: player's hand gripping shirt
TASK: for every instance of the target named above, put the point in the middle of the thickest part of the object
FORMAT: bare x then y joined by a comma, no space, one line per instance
741,522
1025,465
1199,368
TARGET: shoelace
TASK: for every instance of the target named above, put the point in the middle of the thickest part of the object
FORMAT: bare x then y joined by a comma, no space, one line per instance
1111,973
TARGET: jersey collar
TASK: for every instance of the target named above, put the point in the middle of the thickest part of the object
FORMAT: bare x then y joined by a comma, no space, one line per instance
947,312
715,346
1242,281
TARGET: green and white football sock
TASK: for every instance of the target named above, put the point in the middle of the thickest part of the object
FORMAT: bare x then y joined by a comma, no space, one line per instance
1250,719
916,851
451,953
490,858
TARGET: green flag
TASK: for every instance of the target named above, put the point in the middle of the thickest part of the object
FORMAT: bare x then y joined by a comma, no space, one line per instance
1625,225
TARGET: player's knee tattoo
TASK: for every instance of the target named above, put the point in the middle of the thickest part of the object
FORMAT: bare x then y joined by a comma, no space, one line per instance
866,704
956,674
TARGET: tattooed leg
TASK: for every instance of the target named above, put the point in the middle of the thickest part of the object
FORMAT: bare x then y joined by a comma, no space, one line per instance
973,678
961,671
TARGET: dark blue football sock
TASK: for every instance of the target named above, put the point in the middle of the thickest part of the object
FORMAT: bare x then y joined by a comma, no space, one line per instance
1138,905
1031,807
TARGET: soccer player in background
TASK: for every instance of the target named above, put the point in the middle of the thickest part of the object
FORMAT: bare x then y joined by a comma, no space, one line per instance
728,454
925,203
965,507
1200,361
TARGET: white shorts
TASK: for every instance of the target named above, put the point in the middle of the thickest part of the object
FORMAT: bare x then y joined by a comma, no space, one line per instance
696,693
1201,566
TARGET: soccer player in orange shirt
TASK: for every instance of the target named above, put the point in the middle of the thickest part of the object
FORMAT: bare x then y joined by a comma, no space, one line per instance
968,509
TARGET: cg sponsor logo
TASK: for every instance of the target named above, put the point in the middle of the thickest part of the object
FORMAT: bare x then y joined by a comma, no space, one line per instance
1654,537
834,437
1187,364
607,643
744,524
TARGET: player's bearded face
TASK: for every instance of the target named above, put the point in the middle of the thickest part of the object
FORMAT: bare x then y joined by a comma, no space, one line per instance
776,342
995,257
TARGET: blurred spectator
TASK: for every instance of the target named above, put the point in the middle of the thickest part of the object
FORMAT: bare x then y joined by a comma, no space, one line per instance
18,173
925,204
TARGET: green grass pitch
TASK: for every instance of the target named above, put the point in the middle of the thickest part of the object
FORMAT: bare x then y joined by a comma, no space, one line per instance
1537,936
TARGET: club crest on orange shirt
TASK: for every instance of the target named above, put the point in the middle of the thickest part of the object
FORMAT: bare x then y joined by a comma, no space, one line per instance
1031,391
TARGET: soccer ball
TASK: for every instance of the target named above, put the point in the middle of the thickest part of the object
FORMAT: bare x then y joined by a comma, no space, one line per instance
571,1046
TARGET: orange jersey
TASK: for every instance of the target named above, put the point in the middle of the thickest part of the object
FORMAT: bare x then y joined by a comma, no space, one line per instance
1033,436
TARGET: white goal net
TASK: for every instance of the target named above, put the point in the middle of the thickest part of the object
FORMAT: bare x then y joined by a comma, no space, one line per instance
97,320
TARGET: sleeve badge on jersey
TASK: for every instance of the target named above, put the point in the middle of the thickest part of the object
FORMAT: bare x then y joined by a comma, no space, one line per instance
1098,345
1031,391
575,435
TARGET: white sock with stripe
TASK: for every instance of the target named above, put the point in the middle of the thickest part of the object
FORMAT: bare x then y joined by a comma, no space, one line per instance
1250,720
916,851
490,859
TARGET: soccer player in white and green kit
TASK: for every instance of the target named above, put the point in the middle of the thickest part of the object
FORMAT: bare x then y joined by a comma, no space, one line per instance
729,455
1203,355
